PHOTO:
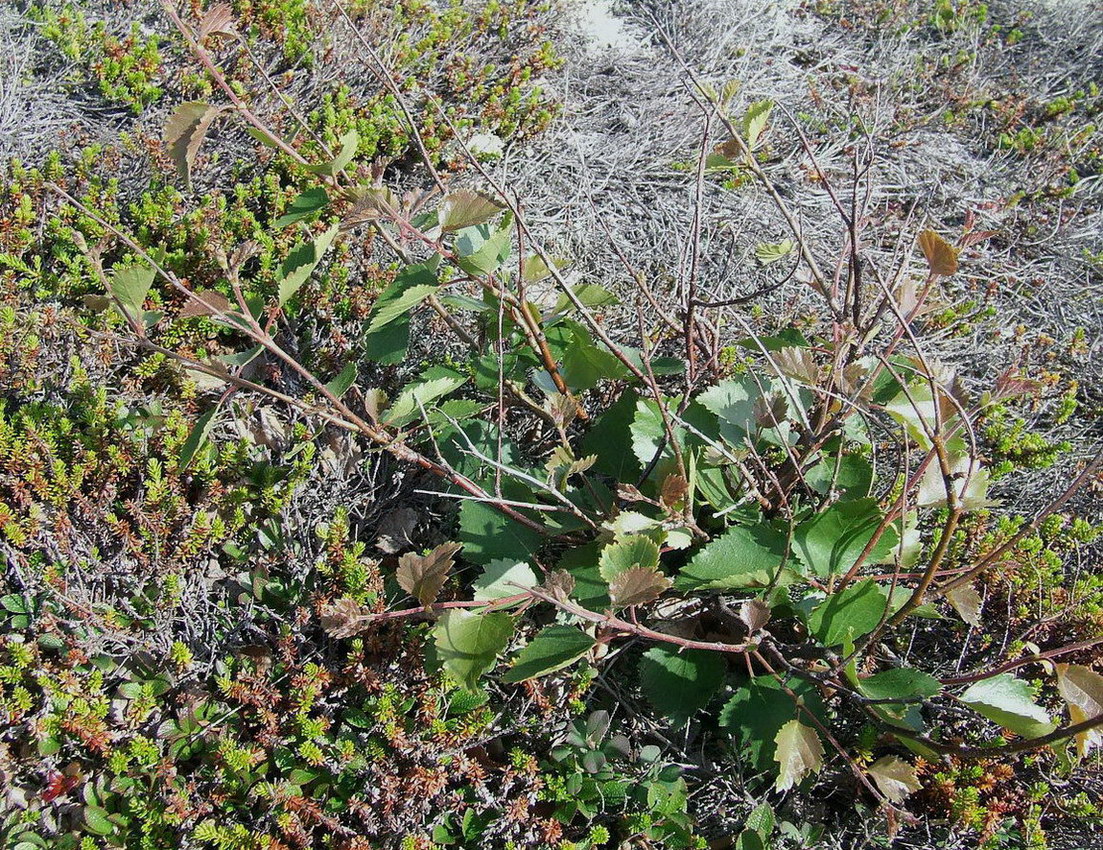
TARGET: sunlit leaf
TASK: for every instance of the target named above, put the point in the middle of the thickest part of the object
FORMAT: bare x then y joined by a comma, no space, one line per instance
185,132
422,576
554,648
798,753
130,285
628,553
503,577
468,643
305,205
1082,689
350,141
832,541
895,778
941,255
465,208
1009,702
771,252
301,262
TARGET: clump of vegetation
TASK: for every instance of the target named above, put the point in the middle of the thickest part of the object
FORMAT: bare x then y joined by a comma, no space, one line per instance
769,539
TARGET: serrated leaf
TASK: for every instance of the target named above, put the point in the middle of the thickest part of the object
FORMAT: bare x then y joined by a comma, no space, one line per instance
967,602
637,586
1009,702
554,648
301,262
755,120
848,614
503,577
899,683
678,684
185,132
941,255
969,484
468,643
798,752
481,252
350,141
831,542
466,208
218,20
762,820
400,305
894,777
197,437
195,307
130,285
487,534
743,556
584,365
343,381
1082,690
407,407
388,334
628,553
771,252
305,205
422,576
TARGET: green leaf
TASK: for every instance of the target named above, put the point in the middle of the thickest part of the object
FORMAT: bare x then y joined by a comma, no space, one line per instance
343,380
305,205
301,261
503,577
733,403
585,365
762,820
771,252
609,436
754,122
97,820
831,542
590,294
848,614
743,556
552,649
487,534
400,305
749,840
590,589
680,683
626,554
197,438
386,341
349,143
407,407
798,752
900,683
1009,702
468,643
851,476
130,285
481,252
466,208
15,603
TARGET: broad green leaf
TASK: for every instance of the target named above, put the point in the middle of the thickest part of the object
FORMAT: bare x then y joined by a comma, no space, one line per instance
743,556
301,261
608,438
798,752
1082,690
487,534
754,122
481,252
197,437
465,208
749,839
305,205
849,613
503,577
407,407
386,339
626,554
1009,702
343,380
678,684
130,285
590,589
468,643
422,576
350,141
185,132
895,778
552,649
585,365
969,484
849,475
899,683
589,294
97,820
832,541
733,403
762,820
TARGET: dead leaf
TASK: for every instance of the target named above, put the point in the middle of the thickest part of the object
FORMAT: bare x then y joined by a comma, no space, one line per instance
674,489
185,132
1082,690
345,618
941,255
637,586
466,207
194,307
797,362
422,576
755,614
559,585
894,777
219,20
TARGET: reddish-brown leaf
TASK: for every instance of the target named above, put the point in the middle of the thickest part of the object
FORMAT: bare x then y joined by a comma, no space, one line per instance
422,576
637,586
941,255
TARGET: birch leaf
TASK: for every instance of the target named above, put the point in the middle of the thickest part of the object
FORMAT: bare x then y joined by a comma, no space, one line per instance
799,752
1082,689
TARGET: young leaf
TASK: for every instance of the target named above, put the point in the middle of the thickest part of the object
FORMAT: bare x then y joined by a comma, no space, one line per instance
130,285
195,307
680,683
849,613
465,208
799,752
349,143
1082,689
894,777
831,542
637,586
771,252
407,407
305,205
967,602
754,121
301,261
630,553
468,643
941,255
552,649
480,252
422,576
185,132
503,577
1009,702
